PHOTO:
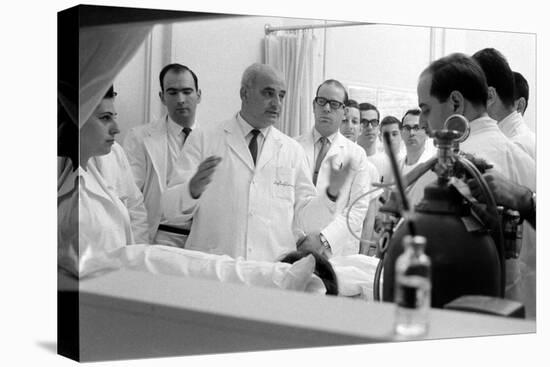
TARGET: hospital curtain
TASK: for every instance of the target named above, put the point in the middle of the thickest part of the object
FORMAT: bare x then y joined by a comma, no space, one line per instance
297,54
103,52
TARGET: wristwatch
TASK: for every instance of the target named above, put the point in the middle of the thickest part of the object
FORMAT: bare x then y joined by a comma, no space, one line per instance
325,243
331,197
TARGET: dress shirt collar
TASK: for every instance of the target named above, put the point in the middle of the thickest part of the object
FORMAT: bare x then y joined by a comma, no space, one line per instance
69,179
317,136
482,124
513,116
246,128
510,122
174,128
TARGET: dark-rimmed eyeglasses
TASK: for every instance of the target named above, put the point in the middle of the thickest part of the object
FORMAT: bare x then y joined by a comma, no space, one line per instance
374,122
334,105
408,128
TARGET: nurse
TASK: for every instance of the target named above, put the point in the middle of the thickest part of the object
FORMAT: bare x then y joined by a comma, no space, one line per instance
91,217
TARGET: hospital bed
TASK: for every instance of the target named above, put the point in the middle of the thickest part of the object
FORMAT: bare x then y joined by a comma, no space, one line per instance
127,314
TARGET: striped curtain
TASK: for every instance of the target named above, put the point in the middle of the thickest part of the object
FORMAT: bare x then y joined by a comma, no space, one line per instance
298,55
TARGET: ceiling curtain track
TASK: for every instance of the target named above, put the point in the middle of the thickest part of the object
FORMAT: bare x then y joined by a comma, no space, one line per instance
270,29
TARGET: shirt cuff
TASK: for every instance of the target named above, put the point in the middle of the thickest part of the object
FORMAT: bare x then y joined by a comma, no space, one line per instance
332,238
177,201
331,197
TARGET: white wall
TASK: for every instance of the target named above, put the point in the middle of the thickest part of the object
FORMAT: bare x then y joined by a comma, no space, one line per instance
518,48
219,50
130,84
389,56
385,58
137,84
383,55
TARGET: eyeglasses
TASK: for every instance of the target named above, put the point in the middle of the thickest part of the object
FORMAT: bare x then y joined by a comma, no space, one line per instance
374,122
334,105
415,128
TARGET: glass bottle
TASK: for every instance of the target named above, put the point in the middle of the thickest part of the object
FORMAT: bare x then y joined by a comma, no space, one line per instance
412,288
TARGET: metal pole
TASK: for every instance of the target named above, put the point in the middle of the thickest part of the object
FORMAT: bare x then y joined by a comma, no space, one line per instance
269,29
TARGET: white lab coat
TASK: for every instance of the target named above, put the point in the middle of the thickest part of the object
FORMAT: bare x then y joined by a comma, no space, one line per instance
256,212
488,142
516,130
341,241
91,219
116,171
383,164
428,153
147,149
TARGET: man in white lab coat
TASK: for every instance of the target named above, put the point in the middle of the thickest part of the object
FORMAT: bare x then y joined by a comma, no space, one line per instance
245,183
351,124
153,149
456,84
352,128
416,141
381,160
369,117
325,145
501,102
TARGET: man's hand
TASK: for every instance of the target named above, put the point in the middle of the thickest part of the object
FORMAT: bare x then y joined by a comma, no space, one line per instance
202,178
505,192
312,242
338,176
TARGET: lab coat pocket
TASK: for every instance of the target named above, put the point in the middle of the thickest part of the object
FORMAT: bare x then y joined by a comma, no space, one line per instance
283,184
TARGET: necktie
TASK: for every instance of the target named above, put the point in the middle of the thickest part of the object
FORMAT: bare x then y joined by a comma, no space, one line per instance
322,152
186,131
253,145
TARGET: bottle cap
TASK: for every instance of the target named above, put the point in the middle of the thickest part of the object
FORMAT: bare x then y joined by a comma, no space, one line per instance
414,241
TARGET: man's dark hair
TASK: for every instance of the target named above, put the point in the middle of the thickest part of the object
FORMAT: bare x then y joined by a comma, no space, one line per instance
412,111
352,103
461,73
365,106
389,120
336,83
521,88
498,73
176,68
